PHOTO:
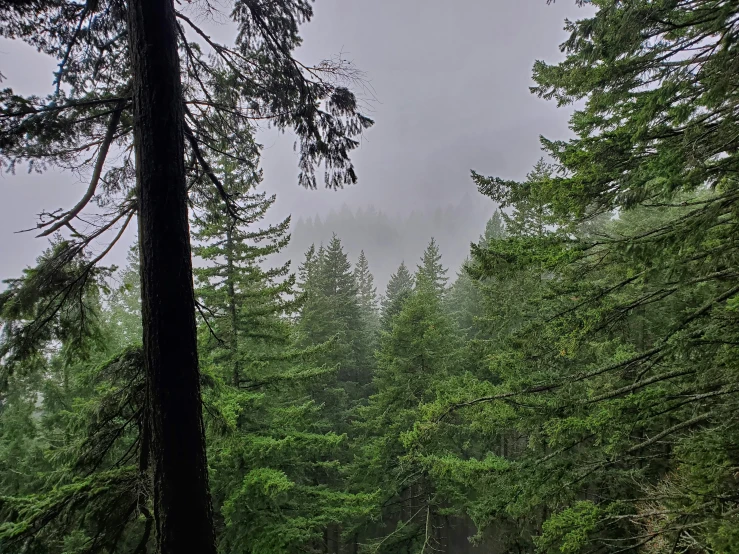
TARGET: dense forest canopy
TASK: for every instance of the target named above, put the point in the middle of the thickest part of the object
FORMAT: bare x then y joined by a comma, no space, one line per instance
571,386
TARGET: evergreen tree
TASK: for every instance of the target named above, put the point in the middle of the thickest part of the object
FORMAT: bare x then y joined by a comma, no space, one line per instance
414,358
625,339
124,317
130,70
331,313
463,303
272,452
431,269
398,289
367,295
494,229
366,289
575,389
79,409
530,214
243,301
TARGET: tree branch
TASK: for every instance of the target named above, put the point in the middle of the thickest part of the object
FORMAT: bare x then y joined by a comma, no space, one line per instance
65,219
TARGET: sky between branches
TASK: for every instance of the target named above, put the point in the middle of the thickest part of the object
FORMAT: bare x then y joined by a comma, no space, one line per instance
447,84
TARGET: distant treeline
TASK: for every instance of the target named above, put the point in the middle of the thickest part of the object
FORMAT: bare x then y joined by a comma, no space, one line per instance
388,240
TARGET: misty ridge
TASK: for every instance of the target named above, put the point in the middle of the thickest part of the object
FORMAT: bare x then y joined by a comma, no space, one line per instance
387,240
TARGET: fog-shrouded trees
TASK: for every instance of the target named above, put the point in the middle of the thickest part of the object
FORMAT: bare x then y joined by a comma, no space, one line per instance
332,312
398,289
618,372
575,390
143,100
275,460
431,270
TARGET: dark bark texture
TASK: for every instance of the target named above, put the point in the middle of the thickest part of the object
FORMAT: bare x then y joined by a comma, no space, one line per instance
182,504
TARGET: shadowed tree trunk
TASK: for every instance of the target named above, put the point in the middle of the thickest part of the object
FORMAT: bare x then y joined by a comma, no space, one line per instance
182,505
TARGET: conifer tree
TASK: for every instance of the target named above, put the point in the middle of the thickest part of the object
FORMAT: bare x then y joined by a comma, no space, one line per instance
431,269
531,214
331,313
367,295
241,300
620,372
272,451
417,355
494,229
366,289
397,291
124,317
84,401
138,69
463,303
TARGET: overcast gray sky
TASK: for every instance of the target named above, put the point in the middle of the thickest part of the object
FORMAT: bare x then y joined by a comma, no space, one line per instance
451,85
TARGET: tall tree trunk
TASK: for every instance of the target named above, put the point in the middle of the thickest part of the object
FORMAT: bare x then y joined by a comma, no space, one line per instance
182,505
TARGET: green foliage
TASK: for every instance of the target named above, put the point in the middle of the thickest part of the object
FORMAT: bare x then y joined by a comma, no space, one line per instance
431,272
568,531
574,390
413,359
57,300
398,289
335,310
610,302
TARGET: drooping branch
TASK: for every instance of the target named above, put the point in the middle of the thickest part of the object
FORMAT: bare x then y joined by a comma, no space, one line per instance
230,208
66,218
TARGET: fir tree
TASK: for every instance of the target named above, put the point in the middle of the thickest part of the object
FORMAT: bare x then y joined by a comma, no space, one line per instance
331,313
398,289
624,330
366,289
367,295
463,303
271,447
414,358
124,317
531,214
494,229
431,269
242,301
132,69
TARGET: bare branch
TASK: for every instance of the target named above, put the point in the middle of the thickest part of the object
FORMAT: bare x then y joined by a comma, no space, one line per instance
65,219
689,423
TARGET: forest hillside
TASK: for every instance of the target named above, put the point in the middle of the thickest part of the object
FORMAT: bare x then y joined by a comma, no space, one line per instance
548,367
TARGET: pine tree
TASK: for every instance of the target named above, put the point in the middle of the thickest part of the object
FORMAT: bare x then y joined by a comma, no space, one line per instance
431,269
398,289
